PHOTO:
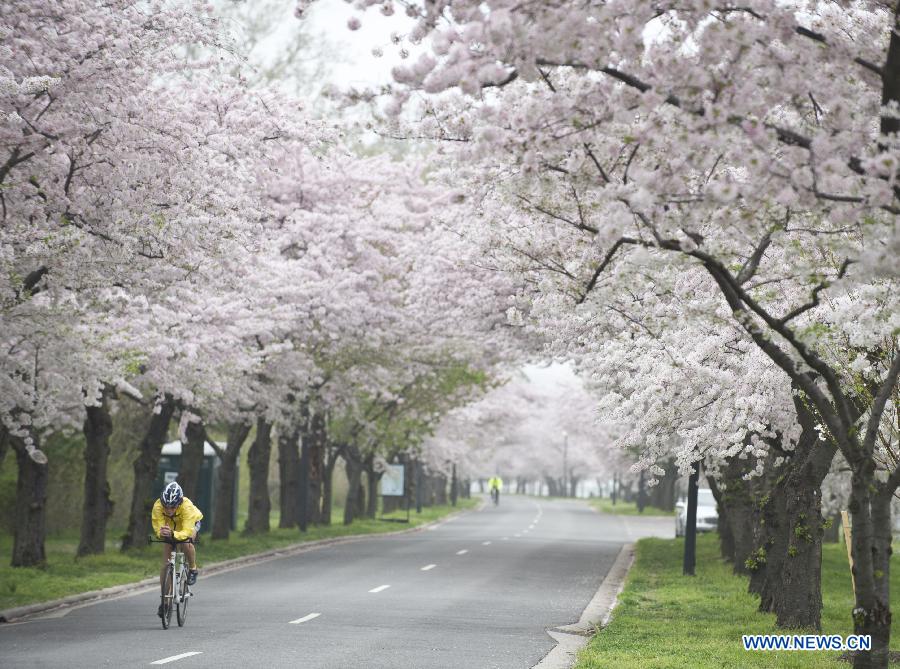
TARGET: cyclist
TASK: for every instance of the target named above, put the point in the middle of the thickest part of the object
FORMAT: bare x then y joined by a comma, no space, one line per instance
495,483
174,516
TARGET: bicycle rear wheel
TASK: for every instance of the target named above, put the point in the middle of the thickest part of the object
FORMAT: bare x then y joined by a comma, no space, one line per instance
169,598
184,596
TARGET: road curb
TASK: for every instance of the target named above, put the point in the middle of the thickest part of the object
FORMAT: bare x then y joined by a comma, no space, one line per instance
572,638
20,613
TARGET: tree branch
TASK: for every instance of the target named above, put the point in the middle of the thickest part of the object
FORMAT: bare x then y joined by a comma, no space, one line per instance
752,264
814,302
875,413
602,266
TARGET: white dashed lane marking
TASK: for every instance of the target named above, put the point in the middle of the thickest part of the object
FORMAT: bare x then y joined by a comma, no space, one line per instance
175,658
485,543
380,588
463,551
305,618
429,567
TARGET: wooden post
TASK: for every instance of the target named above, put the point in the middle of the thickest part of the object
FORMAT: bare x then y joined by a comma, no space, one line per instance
845,521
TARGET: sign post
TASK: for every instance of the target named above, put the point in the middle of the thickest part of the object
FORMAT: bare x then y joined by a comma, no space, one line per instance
393,485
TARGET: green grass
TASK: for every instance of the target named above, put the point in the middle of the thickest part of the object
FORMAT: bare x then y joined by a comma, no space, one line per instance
66,575
605,505
667,620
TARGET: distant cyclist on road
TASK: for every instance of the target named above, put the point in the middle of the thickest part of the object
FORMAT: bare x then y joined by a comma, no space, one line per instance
495,483
175,516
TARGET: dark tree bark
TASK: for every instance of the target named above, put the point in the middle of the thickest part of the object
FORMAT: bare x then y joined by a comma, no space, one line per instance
737,505
333,453
662,495
360,509
642,493
4,444
440,489
551,486
289,474
145,466
317,446
98,505
871,541
832,530
191,459
258,461
881,555
799,596
372,479
353,459
726,536
771,548
454,486
228,459
30,513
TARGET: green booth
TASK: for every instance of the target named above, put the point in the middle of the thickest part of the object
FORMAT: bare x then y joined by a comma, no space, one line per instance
205,499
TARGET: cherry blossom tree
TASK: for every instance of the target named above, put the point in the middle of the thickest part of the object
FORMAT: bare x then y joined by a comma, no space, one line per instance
756,143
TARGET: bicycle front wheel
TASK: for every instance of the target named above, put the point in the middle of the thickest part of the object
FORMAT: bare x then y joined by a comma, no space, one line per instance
184,596
168,598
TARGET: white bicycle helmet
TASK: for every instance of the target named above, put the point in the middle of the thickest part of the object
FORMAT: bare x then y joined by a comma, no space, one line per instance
172,495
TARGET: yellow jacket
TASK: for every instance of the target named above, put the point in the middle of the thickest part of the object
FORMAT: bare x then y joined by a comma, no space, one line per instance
496,482
182,522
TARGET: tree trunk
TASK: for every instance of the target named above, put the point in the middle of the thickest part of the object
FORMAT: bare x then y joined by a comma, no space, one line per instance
360,509
440,490
726,536
237,435
4,443
799,603
353,460
871,547
191,459
29,528
551,486
98,505
372,478
289,474
145,466
317,448
662,495
642,492
770,552
258,461
832,533
738,508
454,486
772,526
881,558
328,482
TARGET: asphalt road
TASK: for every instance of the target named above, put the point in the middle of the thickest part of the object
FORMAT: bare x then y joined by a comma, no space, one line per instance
479,591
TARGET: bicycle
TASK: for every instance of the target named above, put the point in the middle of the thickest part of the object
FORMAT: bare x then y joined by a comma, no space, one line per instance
175,585
495,495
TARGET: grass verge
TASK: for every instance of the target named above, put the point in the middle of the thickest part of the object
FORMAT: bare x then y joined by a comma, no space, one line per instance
668,620
66,575
604,505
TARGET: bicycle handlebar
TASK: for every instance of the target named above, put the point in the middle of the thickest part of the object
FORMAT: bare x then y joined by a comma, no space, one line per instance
189,540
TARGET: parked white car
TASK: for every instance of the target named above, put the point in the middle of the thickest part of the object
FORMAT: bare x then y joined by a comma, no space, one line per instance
707,516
